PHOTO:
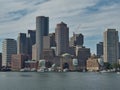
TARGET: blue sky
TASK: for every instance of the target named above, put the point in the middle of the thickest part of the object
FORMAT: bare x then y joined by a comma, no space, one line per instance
89,17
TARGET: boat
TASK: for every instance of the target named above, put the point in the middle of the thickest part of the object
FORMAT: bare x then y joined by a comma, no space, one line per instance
65,70
40,70
118,72
22,70
33,70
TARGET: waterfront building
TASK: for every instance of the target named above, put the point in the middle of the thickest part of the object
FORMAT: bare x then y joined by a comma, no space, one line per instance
9,47
62,38
31,65
66,62
99,48
77,40
42,29
18,61
21,44
82,55
48,55
93,64
111,48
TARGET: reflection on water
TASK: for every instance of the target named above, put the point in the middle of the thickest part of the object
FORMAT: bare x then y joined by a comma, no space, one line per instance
59,81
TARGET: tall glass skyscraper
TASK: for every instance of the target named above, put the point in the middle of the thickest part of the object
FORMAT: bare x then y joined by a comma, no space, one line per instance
42,29
22,44
9,47
99,49
31,40
111,49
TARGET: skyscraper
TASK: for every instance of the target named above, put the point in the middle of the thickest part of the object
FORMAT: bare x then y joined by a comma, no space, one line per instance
31,40
52,40
62,38
42,29
9,47
111,51
22,44
32,35
119,50
99,48
77,39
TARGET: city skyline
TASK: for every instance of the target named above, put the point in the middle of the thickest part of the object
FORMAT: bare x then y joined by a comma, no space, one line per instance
88,17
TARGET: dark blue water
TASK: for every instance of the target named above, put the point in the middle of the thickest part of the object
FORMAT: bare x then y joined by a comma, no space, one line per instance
59,81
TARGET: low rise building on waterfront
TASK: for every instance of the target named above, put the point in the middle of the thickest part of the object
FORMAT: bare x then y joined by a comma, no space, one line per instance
66,62
48,55
82,55
18,61
31,65
93,64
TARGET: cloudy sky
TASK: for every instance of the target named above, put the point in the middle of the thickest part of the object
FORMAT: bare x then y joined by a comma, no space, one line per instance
89,17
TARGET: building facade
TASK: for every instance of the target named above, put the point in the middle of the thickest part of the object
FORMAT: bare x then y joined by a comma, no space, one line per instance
42,29
22,43
48,55
62,38
82,54
46,42
119,50
93,64
66,62
52,40
77,40
9,47
18,61
111,42
31,40
99,48
34,52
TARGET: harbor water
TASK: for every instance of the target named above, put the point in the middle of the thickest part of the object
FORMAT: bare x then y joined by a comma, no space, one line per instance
59,81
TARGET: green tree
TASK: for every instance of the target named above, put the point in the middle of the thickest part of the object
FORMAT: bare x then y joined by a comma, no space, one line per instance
107,65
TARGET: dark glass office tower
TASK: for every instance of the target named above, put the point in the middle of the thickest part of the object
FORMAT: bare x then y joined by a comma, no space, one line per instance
42,29
31,40
77,40
99,48
22,44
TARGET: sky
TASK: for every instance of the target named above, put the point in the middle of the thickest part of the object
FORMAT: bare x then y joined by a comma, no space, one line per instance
89,17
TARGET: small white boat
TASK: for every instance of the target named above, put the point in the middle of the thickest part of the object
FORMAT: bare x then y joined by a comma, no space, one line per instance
118,72
65,70
41,70
33,69
22,70
103,71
